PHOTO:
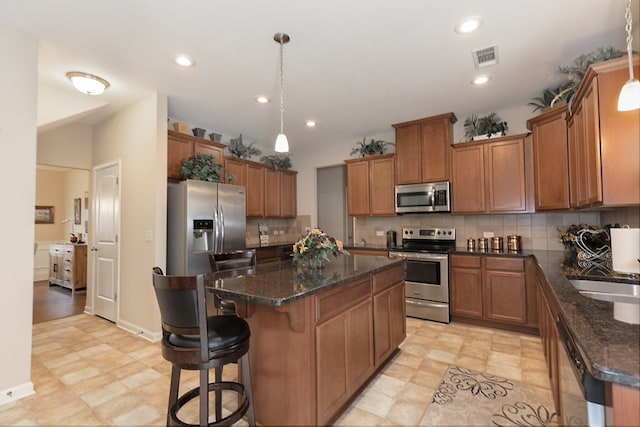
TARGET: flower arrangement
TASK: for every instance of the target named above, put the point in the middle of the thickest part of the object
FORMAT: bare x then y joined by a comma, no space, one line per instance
315,248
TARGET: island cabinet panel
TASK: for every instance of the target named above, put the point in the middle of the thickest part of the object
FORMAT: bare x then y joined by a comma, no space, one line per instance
495,291
255,190
370,185
550,159
550,340
272,193
604,142
422,149
181,146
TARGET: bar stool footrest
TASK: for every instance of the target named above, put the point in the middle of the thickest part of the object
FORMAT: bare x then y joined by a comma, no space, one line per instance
219,386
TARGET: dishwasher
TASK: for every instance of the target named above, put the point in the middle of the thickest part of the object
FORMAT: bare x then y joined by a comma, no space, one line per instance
581,394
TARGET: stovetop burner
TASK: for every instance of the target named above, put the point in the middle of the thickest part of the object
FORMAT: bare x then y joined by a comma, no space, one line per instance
428,240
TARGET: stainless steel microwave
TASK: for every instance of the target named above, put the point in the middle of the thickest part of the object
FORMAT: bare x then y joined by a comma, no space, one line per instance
421,198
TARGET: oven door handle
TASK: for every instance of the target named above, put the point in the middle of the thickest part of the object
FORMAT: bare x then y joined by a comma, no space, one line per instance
425,303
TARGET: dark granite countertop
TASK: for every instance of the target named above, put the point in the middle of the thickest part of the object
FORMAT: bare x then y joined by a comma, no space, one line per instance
281,283
270,245
610,347
369,247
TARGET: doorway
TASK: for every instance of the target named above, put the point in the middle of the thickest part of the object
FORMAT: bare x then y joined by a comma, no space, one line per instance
332,203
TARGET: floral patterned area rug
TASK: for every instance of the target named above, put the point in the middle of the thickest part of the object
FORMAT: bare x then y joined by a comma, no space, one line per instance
470,398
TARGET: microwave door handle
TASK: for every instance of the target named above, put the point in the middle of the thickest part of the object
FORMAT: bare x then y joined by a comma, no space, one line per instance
433,198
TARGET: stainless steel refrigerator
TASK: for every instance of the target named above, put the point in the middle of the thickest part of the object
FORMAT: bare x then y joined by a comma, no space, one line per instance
203,218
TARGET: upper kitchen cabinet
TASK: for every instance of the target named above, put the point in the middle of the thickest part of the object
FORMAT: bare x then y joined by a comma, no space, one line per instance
550,159
370,185
236,168
270,193
422,149
604,143
490,176
181,146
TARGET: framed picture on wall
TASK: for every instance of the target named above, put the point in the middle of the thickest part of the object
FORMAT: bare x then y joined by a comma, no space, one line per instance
77,211
44,214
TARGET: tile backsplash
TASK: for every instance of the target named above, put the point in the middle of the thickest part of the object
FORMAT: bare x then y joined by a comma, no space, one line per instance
539,231
281,230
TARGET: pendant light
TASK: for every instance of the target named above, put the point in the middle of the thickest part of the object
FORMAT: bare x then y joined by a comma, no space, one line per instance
629,98
282,145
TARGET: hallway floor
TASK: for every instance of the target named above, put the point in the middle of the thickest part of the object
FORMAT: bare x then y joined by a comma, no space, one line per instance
86,371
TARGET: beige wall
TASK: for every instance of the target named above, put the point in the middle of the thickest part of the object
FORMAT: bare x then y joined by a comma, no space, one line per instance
18,77
69,146
137,137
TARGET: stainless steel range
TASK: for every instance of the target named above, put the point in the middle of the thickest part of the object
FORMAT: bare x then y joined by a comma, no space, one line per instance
426,270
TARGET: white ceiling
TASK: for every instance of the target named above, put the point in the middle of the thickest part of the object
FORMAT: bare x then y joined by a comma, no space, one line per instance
355,66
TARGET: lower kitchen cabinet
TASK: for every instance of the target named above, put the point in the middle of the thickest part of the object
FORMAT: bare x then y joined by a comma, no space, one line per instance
494,290
550,341
68,266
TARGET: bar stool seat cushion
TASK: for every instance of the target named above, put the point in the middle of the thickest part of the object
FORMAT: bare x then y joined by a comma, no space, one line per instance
223,331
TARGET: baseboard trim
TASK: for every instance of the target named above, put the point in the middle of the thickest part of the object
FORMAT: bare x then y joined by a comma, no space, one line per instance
141,332
15,393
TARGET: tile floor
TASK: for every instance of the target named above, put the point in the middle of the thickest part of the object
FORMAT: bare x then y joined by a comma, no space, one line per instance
88,372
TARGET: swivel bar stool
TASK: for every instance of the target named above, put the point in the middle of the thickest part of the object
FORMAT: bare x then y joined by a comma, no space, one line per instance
193,341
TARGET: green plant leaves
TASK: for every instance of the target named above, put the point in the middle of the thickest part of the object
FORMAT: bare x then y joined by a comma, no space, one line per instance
203,167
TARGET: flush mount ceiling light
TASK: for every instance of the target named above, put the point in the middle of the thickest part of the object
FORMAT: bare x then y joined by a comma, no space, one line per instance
629,98
480,80
262,99
183,60
310,123
87,83
469,25
282,144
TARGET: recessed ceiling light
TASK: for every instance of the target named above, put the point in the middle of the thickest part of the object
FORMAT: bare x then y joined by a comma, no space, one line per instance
469,25
262,99
87,83
480,80
184,60
310,123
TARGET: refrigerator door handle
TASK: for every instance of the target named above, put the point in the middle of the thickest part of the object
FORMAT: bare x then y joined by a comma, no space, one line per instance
221,229
215,231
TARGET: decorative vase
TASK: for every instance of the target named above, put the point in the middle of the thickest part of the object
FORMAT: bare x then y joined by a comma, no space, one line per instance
316,263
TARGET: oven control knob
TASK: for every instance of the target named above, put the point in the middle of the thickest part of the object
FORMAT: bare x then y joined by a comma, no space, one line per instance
449,233
438,233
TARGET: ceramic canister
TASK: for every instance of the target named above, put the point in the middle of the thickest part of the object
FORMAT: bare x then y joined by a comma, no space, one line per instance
625,250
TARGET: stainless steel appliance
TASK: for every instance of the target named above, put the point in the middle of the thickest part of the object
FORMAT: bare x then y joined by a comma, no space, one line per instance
581,395
203,218
426,271
421,198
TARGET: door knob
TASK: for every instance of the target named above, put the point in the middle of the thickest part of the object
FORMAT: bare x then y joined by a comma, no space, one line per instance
94,249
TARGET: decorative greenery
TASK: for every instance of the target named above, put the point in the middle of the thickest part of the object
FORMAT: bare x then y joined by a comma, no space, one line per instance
241,151
485,125
315,247
277,161
370,149
573,75
204,167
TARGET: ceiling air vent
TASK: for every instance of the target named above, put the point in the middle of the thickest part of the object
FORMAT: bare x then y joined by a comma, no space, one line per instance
485,57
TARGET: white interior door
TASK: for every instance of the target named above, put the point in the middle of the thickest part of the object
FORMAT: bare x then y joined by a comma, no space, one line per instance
106,247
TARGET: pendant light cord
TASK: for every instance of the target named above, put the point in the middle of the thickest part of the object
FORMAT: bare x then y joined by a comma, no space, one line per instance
281,87
628,27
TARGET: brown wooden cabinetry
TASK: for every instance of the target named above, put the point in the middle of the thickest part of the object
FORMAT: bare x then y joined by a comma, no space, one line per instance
490,177
497,290
549,337
238,169
370,185
270,193
181,146
550,159
604,143
68,266
422,149
389,310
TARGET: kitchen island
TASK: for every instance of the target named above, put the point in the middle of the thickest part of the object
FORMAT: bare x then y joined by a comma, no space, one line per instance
317,336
